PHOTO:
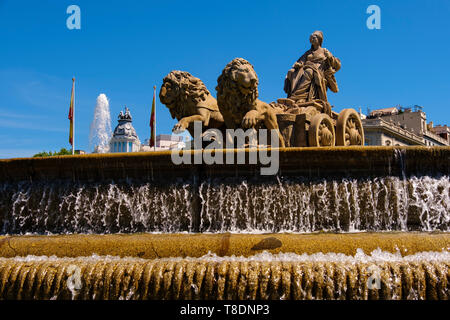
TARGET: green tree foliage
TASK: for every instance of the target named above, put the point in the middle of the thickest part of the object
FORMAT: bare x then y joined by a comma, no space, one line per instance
62,152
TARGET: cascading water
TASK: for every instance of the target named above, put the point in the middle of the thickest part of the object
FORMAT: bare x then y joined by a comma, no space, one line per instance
291,205
299,205
264,276
100,130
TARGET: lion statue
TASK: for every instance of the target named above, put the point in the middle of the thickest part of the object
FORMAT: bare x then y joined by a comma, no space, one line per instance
237,97
188,100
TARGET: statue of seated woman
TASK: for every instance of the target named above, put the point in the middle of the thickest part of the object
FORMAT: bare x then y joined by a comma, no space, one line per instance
309,78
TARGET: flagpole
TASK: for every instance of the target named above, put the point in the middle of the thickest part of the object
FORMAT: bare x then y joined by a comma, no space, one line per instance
154,125
73,134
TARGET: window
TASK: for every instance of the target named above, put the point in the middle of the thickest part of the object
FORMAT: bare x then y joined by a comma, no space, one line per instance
130,146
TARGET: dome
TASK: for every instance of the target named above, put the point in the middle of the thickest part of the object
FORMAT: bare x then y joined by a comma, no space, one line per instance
125,130
125,138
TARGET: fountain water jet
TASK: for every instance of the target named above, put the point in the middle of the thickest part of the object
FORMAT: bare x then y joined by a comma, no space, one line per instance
100,130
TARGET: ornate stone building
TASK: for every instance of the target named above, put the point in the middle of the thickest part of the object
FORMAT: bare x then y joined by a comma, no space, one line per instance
402,127
124,138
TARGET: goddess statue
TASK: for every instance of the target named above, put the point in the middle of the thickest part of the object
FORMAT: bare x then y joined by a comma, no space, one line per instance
312,74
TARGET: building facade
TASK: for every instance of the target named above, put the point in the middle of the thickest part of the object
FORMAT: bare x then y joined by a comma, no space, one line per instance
165,142
398,127
443,131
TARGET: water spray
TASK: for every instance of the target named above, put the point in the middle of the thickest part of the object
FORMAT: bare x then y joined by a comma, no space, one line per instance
100,131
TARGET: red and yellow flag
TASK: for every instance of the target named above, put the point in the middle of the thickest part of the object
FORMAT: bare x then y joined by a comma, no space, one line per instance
152,120
71,112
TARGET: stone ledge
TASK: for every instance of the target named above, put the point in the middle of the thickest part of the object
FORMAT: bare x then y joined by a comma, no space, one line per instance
307,162
153,246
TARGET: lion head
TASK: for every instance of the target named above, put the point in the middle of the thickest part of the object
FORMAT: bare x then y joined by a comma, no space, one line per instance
237,88
181,92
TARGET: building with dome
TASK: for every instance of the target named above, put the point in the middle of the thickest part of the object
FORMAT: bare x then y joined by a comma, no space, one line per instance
124,138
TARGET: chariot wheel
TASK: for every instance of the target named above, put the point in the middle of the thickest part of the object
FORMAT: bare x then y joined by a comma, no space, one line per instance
349,129
321,131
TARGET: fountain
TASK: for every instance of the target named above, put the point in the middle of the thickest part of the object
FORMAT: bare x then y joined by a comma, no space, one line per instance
100,130
335,222
61,217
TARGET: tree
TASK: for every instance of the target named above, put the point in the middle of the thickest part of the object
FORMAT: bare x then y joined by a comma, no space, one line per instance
62,152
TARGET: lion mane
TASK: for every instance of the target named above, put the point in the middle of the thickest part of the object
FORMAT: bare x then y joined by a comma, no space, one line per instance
237,88
186,92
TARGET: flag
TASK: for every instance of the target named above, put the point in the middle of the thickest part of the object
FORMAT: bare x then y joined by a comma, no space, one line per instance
152,120
71,112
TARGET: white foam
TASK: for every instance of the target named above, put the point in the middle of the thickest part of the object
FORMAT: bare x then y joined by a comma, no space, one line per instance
376,256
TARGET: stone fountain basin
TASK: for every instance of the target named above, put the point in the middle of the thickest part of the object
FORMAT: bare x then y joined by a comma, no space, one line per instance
306,162
155,246
378,275
334,189
98,253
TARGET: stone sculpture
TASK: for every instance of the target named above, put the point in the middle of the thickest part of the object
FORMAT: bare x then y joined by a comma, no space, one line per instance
237,97
307,118
309,78
189,100
304,118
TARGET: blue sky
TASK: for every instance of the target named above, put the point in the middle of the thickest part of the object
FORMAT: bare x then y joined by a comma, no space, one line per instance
126,47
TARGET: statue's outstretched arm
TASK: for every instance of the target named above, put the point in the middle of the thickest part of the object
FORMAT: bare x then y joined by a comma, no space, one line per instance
334,62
